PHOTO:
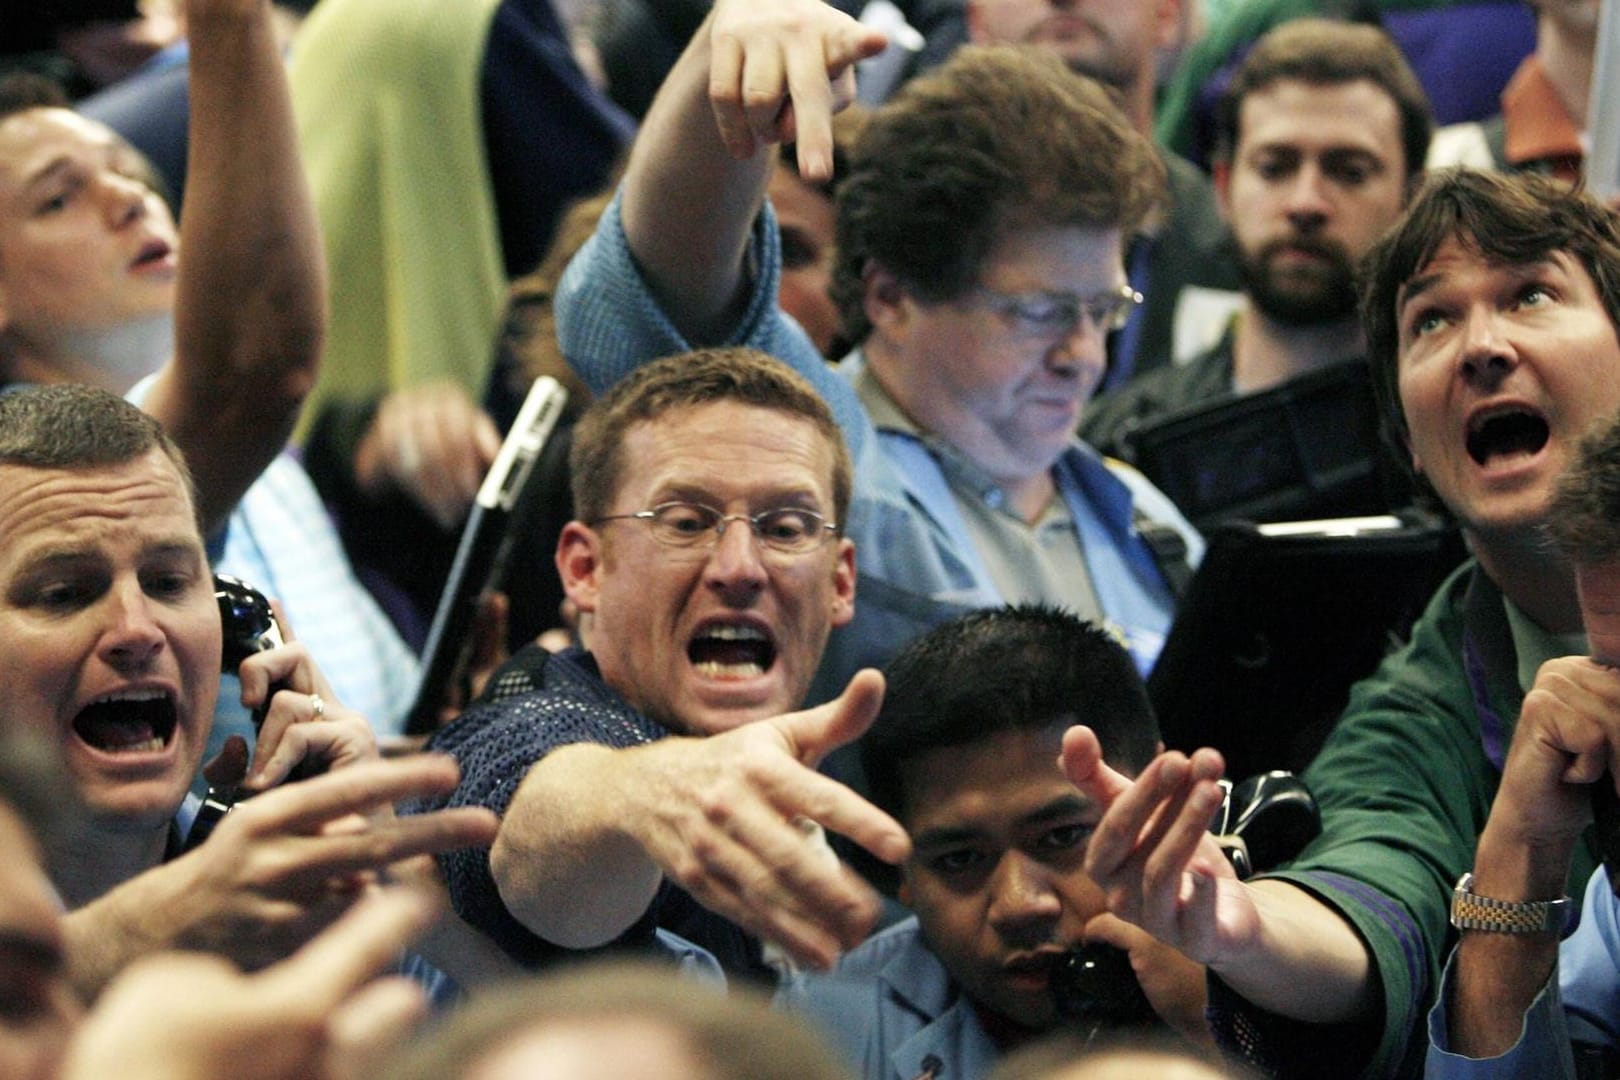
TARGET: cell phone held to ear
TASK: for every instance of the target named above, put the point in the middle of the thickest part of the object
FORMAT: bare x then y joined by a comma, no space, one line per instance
249,626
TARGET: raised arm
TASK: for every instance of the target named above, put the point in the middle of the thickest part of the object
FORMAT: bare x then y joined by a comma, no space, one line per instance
758,72
249,313
1271,942
593,830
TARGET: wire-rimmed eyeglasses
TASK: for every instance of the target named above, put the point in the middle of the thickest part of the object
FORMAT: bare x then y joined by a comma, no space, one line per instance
1058,313
789,530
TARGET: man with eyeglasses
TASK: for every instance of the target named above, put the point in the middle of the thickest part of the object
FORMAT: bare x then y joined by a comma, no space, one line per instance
979,266
1320,134
655,791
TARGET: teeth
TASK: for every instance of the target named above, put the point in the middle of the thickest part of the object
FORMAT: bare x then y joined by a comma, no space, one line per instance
734,633
130,695
151,745
713,669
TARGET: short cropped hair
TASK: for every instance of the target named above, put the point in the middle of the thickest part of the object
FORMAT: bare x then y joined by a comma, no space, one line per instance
77,427
1006,669
1327,52
706,376
1584,519
1512,219
734,1034
998,137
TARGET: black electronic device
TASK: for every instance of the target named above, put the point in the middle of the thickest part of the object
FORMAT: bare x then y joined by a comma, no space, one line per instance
481,557
1308,448
1279,621
248,626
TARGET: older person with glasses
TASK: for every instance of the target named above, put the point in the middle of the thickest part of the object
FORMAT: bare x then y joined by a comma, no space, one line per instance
980,269
662,765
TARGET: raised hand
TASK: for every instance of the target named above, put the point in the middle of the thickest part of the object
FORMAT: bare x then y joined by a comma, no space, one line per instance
779,71
1152,853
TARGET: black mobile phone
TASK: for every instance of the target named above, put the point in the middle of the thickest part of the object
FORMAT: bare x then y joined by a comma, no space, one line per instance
249,626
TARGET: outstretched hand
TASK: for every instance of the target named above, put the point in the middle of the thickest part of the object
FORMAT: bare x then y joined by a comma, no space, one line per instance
1152,853
282,866
779,71
728,821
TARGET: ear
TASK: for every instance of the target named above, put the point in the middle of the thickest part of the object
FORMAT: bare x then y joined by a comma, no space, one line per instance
579,564
844,583
885,300
1221,177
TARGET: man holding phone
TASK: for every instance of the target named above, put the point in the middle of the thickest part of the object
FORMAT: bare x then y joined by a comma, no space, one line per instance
113,641
965,755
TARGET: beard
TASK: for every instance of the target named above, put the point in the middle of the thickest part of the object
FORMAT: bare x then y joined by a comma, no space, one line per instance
1304,295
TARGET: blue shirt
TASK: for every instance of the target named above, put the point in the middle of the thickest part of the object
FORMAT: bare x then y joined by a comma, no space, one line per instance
889,1006
1584,1004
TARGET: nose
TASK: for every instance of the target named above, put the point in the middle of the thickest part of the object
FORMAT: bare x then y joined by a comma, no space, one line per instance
1485,354
1082,353
124,199
1024,904
1306,202
736,566
132,637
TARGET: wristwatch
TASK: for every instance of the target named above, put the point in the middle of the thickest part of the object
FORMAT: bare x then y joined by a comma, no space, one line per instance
1471,912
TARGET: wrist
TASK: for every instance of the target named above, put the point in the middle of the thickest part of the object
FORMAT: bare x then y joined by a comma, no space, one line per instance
1518,868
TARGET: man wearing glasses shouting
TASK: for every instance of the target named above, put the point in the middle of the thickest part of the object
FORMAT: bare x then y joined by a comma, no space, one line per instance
664,766
979,266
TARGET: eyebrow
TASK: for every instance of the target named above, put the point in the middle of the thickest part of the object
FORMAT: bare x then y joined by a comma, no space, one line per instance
1522,271
948,836
53,557
56,165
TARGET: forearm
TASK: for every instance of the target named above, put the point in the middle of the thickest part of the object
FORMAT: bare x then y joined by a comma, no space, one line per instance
250,308
1498,976
689,205
1309,964
564,864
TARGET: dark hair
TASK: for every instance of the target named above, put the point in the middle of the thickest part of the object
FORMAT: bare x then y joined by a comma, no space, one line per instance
72,426
996,138
1006,669
24,90
746,376
1326,52
1510,219
734,1034
1584,519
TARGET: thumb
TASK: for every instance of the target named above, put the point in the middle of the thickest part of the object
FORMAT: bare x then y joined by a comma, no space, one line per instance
229,767
1082,762
814,733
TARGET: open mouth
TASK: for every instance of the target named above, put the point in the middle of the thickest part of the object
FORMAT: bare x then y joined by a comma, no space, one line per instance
153,251
731,651
1506,434
129,722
